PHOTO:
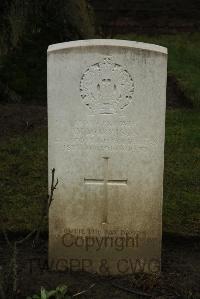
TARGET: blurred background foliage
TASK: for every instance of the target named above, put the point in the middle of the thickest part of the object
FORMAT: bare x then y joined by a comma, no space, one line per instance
26,29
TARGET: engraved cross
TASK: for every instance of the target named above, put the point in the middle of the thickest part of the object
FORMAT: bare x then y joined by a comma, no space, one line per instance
105,182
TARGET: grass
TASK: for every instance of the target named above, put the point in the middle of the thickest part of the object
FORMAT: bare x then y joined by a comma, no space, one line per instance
181,177
23,161
23,164
183,60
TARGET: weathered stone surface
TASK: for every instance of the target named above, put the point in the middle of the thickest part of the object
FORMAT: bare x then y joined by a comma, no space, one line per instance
106,112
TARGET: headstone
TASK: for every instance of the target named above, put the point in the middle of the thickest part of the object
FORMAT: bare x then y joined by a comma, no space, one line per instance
106,124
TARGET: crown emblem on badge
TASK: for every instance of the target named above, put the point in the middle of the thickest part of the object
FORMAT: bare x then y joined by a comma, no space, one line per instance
106,87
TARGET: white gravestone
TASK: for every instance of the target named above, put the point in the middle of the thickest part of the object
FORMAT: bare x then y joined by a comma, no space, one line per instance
106,113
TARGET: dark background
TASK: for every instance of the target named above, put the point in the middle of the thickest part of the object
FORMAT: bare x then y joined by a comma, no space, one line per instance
28,27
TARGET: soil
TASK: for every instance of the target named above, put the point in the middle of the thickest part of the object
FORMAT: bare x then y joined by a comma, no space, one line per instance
19,119
175,96
180,275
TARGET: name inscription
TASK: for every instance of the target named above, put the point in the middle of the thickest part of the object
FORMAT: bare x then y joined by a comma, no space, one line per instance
106,136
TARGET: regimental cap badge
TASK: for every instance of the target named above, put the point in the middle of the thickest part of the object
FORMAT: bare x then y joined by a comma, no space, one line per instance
106,87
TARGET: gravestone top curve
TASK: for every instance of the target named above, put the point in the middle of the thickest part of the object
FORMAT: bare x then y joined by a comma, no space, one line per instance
107,42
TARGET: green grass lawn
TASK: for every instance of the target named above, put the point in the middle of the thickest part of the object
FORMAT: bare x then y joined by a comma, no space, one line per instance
183,60
23,161
23,164
182,172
